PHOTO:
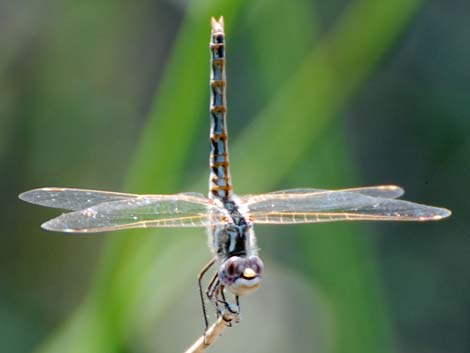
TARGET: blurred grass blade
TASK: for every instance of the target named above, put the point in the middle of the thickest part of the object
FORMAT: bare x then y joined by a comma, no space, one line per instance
319,89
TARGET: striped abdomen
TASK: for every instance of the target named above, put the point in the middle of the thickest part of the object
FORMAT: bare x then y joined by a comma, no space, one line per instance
219,181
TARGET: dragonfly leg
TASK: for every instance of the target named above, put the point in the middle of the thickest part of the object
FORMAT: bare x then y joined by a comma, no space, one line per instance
212,287
215,295
199,277
213,292
223,301
227,304
229,314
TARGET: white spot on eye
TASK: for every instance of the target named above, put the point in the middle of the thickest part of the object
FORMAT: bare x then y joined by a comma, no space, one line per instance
135,218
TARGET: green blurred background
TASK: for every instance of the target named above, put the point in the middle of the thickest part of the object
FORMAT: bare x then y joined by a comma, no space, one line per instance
113,95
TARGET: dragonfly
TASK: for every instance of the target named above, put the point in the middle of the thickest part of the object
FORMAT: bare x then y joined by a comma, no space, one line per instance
229,219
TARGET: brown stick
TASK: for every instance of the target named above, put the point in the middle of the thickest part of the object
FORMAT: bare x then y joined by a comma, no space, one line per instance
211,335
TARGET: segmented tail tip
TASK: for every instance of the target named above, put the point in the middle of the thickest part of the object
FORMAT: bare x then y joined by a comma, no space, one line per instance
217,25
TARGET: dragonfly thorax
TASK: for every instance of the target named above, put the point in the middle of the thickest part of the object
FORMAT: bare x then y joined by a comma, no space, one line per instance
231,240
234,236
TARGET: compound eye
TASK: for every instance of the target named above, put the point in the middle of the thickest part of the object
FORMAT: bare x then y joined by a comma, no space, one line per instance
234,266
256,265
231,267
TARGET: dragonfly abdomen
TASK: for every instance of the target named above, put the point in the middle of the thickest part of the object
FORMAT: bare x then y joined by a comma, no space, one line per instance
220,185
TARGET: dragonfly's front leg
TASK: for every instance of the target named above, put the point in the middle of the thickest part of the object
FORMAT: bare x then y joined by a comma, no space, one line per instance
231,307
212,292
200,277
215,293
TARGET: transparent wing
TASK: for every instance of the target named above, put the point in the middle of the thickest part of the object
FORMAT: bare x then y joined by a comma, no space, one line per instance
78,199
385,191
123,211
341,205
72,199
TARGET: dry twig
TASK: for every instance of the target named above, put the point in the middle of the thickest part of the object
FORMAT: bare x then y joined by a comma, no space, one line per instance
211,335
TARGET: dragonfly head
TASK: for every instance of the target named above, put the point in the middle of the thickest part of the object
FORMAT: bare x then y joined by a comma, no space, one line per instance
241,275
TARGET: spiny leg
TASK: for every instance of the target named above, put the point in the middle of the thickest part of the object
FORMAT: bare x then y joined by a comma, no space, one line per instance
199,277
212,292
226,303
229,305
216,296
211,288
229,314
